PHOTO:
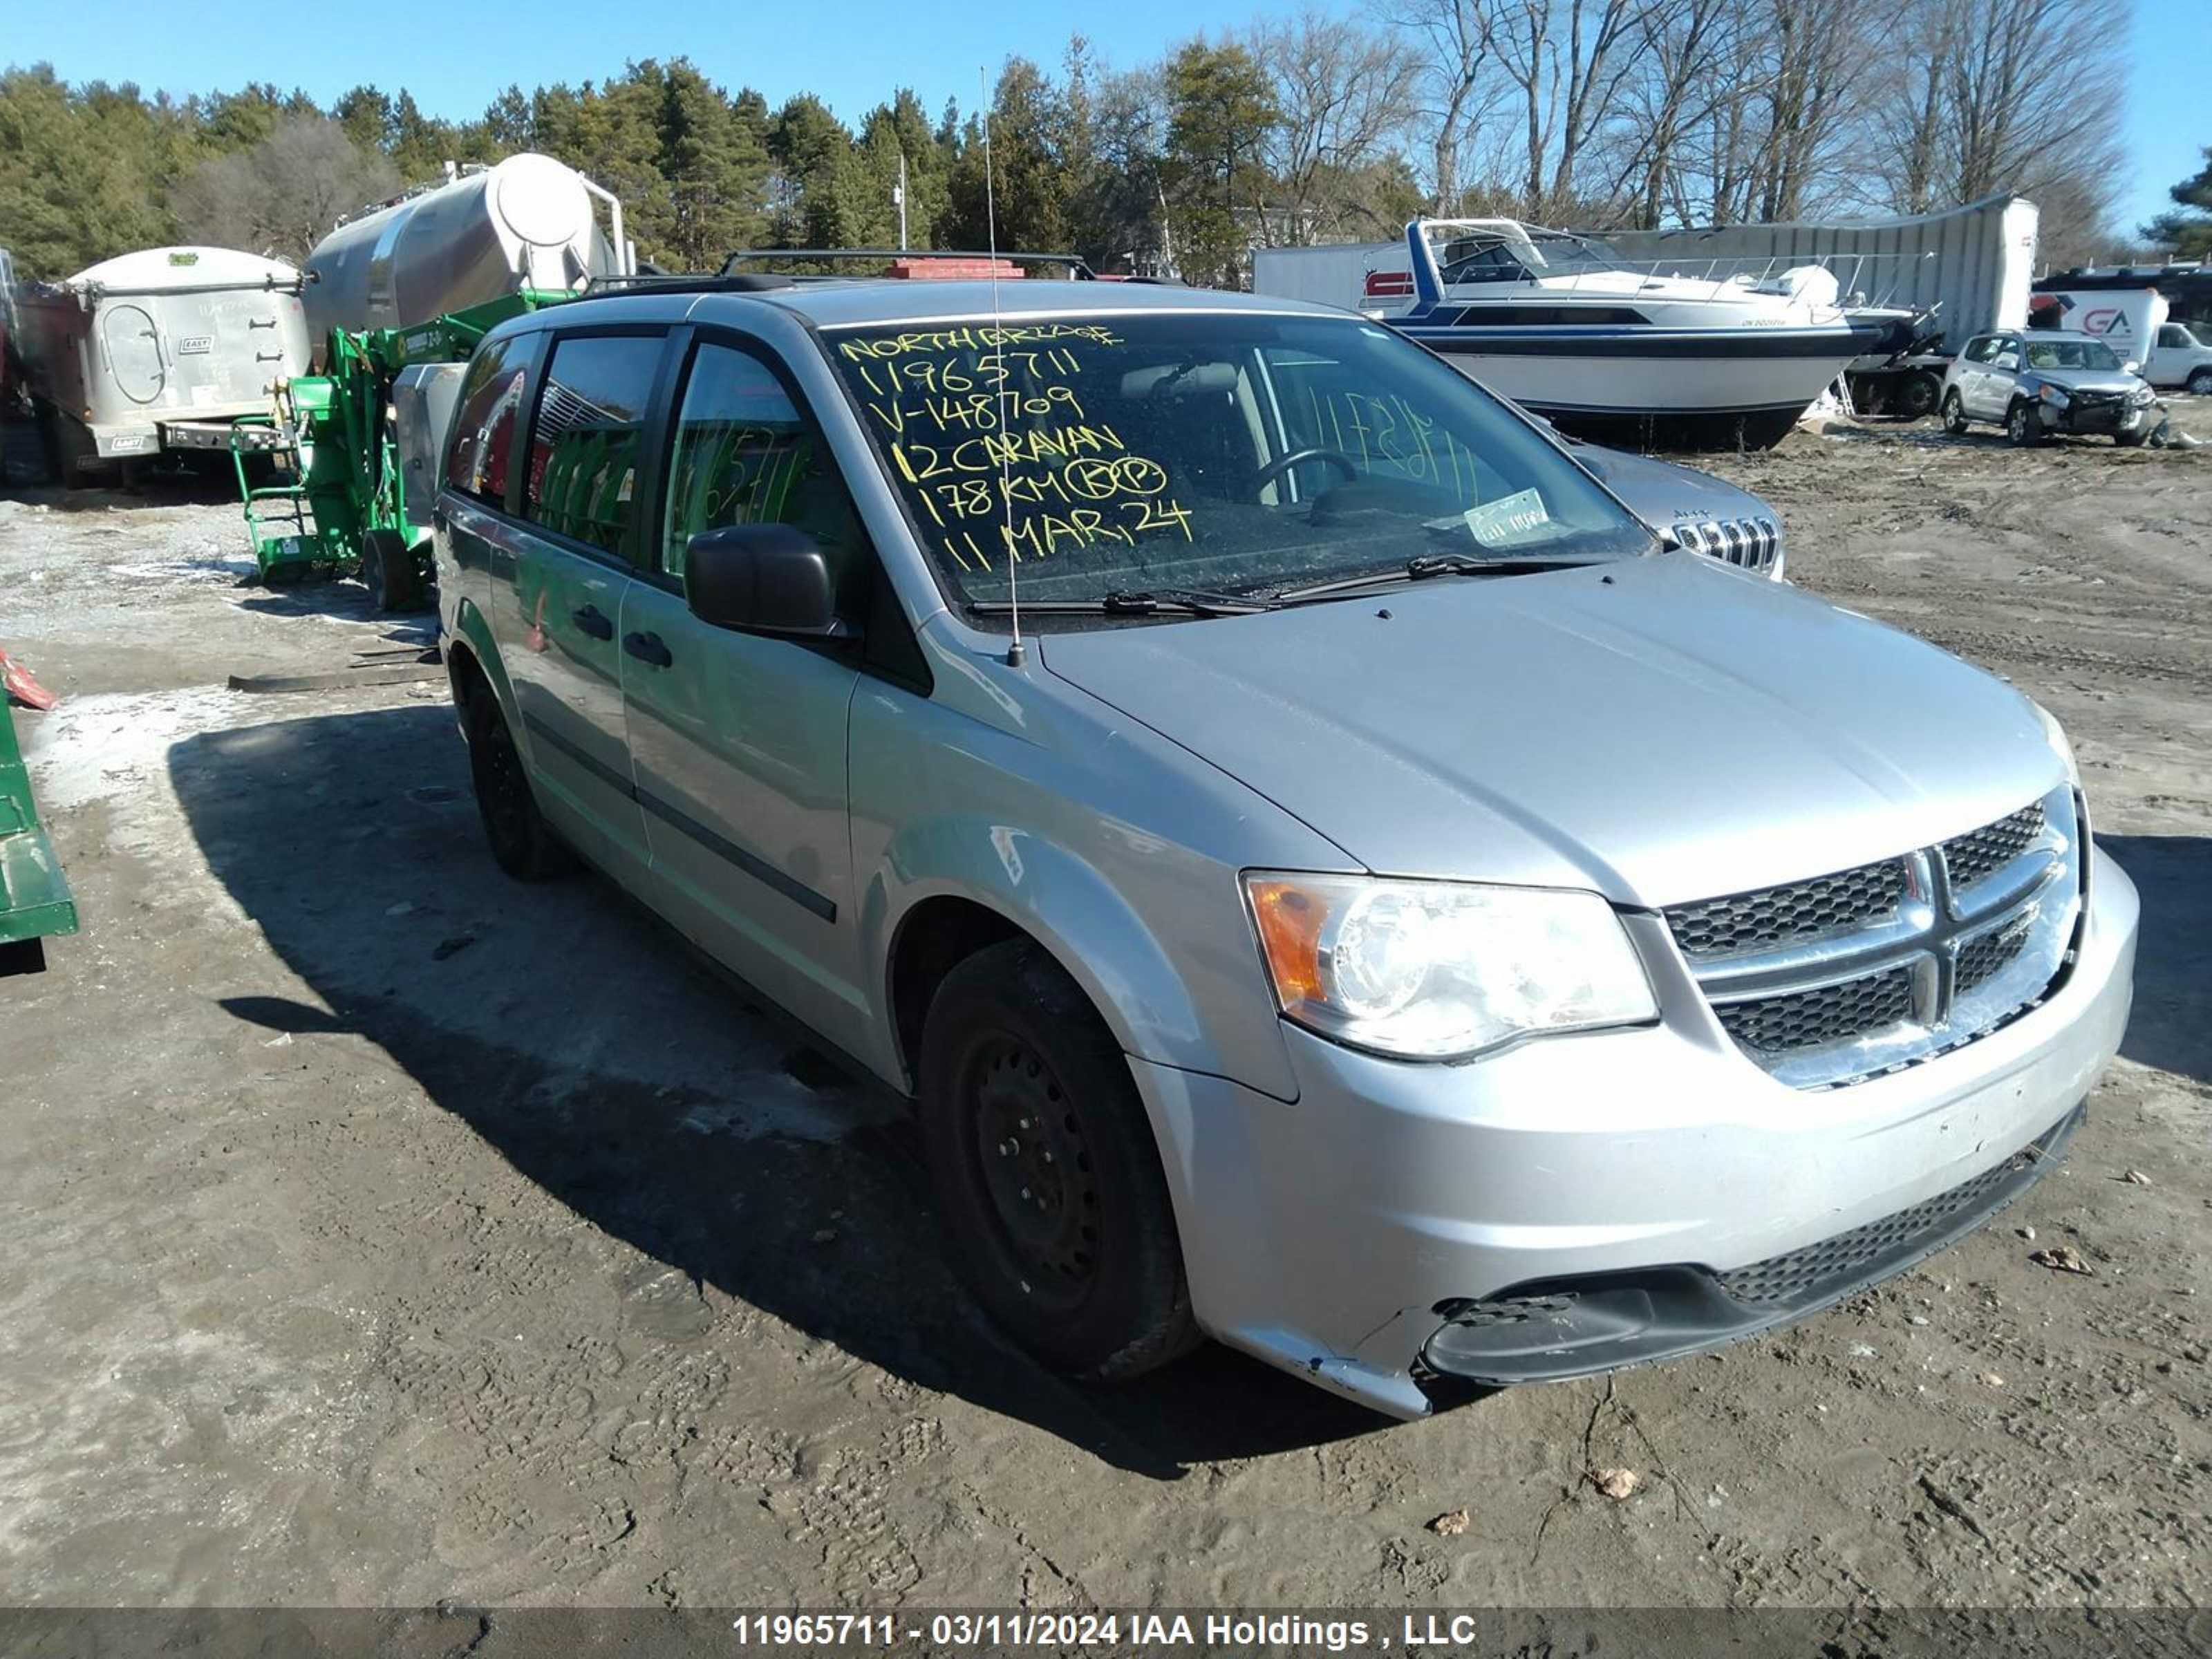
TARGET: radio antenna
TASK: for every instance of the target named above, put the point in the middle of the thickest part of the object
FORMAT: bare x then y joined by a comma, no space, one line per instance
1015,654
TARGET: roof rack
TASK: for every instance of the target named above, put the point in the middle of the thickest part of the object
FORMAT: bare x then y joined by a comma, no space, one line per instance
661,282
1075,261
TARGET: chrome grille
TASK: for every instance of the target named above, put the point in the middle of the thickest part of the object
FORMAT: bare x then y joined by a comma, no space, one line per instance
1800,910
1970,858
1815,1018
1750,543
1982,959
1840,977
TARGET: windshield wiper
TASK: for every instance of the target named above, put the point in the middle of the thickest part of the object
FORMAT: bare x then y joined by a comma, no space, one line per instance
1149,602
1425,565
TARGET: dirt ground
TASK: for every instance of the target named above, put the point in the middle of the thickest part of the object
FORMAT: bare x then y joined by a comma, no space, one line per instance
374,1231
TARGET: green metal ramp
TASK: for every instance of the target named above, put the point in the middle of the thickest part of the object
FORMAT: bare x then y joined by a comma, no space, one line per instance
34,896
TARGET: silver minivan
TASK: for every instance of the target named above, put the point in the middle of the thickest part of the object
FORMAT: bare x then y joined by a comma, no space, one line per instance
1377,904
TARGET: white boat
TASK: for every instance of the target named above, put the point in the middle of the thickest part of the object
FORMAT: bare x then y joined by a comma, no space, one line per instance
1561,324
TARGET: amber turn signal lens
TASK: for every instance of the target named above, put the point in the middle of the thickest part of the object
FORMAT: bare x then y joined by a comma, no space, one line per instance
1289,922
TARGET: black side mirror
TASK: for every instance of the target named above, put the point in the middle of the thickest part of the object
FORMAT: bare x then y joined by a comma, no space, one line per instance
763,578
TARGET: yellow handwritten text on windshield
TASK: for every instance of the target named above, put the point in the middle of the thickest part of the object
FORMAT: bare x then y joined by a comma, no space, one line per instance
986,424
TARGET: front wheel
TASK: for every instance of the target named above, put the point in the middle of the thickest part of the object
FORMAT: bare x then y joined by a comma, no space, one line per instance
1954,414
1045,1168
2200,382
2134,439
2022,426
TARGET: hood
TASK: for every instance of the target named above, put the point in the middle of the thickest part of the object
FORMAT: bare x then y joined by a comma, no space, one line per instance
2085,380
1663,493
1658,729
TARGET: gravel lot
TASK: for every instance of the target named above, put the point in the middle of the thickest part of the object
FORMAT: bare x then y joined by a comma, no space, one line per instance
374,1231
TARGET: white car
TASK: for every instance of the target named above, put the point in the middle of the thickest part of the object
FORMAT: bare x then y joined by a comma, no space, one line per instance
2180,359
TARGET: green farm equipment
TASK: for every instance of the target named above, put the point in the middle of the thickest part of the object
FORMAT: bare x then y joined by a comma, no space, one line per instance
342,505
34,896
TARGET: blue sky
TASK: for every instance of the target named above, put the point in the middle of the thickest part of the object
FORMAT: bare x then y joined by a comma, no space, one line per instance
851,52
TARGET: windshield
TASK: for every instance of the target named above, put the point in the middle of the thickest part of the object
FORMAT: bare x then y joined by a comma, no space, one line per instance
1221,451
2070,353
1489,257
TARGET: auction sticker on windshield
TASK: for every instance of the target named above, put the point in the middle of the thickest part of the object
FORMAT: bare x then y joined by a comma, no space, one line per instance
1513,521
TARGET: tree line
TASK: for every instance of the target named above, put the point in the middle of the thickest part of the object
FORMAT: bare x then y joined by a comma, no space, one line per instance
1314,127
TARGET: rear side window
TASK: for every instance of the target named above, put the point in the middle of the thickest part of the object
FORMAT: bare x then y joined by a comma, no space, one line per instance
745,454
588,444
484,422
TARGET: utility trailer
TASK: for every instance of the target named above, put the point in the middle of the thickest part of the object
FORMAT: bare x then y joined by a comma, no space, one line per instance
156,351
1961,273
35,903
397,299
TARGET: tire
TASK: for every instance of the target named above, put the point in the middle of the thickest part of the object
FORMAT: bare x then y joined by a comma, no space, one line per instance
2022,426
2200,382
522,843
1954,414
1917,396
2135,439
388,570
1045,1169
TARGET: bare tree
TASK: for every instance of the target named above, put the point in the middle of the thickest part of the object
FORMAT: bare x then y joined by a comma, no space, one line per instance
1570,63
1456,90
283,194
1345,95
1682,83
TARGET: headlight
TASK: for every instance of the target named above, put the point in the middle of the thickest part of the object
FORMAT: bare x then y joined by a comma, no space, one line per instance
2050,394
1440,971
2142,395
2055,735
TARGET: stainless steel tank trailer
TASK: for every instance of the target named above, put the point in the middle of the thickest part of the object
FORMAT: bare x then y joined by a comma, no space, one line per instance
395,301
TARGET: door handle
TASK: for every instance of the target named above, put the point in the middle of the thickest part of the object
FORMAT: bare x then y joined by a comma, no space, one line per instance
647,647
594,622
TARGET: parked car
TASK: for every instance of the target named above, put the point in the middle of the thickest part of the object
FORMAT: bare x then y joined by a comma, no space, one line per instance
2180,359
2035,382
1692,509
1376,904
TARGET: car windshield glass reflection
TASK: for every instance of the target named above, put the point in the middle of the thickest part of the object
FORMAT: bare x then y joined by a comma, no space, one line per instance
2070,353
1224,452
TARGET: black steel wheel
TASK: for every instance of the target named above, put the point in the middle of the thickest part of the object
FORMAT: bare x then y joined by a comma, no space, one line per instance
1917,396
2021,425
388,570
522,843
1045,1168
1954,414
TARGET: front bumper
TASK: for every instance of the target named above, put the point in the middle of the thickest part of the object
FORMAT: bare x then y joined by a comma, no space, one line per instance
1347,1235
2090,419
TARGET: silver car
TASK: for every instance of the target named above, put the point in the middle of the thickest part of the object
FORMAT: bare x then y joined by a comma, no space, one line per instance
1377,904
2034,382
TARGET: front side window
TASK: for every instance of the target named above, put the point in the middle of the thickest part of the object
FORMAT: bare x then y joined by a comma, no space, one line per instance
745,454
587,443
2008,353
1227,451
2071,354
484,422
1983,349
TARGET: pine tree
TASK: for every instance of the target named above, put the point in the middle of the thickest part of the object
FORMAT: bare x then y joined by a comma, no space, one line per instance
2187,229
